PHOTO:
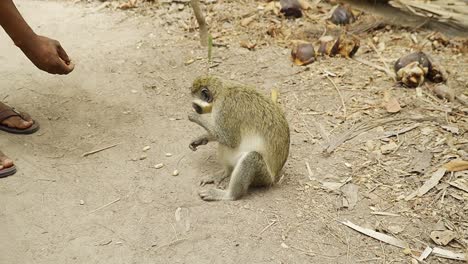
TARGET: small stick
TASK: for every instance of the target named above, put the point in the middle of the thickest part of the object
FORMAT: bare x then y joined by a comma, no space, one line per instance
171,243
98,150
97,209
370,64
309,171
268,226
382,59
201,22
339,93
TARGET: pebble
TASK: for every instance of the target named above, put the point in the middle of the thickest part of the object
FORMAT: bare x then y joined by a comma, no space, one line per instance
175,173
143,157
159,166
168,154
146,148
134,91
389,148
81,202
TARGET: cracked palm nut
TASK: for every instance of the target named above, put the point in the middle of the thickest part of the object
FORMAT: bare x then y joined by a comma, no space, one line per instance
303,53
291,8
342,15
411,69
344,45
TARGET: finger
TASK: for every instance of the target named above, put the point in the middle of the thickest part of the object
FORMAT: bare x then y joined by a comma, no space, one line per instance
62,53
62,68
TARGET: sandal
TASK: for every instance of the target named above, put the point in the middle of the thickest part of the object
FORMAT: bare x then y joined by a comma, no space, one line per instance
5,172
10,112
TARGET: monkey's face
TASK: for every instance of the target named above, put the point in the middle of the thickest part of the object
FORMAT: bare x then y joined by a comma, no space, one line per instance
203,92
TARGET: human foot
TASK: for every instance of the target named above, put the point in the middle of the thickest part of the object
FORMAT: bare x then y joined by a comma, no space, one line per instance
15,122
7,167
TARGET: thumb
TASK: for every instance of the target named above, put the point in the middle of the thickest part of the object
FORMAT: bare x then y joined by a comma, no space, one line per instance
62,54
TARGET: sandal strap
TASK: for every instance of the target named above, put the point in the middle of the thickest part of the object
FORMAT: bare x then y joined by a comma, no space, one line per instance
7,113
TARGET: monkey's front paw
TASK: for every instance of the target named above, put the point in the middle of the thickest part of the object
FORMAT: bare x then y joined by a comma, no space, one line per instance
198,142
213,195
193,117
207,180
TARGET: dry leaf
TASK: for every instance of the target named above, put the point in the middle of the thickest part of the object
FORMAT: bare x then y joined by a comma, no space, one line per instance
421,161
443,91
246,21
350,198
273,6
429,184
128,5
461,184
377,235
452,129
305,5
392,106
247,44
456,165
442,238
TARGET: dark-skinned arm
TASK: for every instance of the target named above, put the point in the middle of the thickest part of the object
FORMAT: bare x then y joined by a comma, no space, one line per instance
47,54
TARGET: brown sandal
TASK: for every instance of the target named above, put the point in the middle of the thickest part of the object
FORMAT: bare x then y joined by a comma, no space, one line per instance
5,172
10,112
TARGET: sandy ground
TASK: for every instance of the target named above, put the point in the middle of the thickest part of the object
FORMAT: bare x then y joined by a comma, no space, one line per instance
130,87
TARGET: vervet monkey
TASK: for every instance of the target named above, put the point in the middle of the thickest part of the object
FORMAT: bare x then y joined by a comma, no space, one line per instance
251,130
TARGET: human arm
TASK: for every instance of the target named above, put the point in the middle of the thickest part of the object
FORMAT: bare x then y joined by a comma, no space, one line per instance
47,54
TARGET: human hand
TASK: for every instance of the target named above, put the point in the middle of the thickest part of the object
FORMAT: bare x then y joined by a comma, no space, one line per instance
47,54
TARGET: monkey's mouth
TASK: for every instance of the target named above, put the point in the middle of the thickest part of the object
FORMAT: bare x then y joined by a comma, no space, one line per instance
197,108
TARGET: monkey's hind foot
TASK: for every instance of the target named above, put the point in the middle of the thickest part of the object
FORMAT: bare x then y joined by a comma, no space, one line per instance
214,195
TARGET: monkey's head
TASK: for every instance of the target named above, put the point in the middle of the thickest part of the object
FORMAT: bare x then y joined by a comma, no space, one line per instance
204,91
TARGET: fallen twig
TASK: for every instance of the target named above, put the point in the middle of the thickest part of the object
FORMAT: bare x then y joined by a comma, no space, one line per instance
98,150
400,131
309,171
384,214
377,67
176,241
339,93
383,61
268,226
97,209
363,127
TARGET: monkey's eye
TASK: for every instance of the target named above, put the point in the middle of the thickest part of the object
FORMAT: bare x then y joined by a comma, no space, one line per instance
206,95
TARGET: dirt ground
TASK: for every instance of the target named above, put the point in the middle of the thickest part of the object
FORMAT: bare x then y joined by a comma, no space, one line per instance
130,88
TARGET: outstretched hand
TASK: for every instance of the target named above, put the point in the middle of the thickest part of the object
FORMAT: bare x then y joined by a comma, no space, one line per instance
48,55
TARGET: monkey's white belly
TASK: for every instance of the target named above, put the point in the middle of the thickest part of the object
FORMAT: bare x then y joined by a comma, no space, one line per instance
230,156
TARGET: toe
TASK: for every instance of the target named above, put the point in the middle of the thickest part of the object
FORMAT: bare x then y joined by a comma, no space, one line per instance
5,162
17,122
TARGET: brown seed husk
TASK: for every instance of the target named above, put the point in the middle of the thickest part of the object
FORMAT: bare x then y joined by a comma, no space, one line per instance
342,16
303,53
